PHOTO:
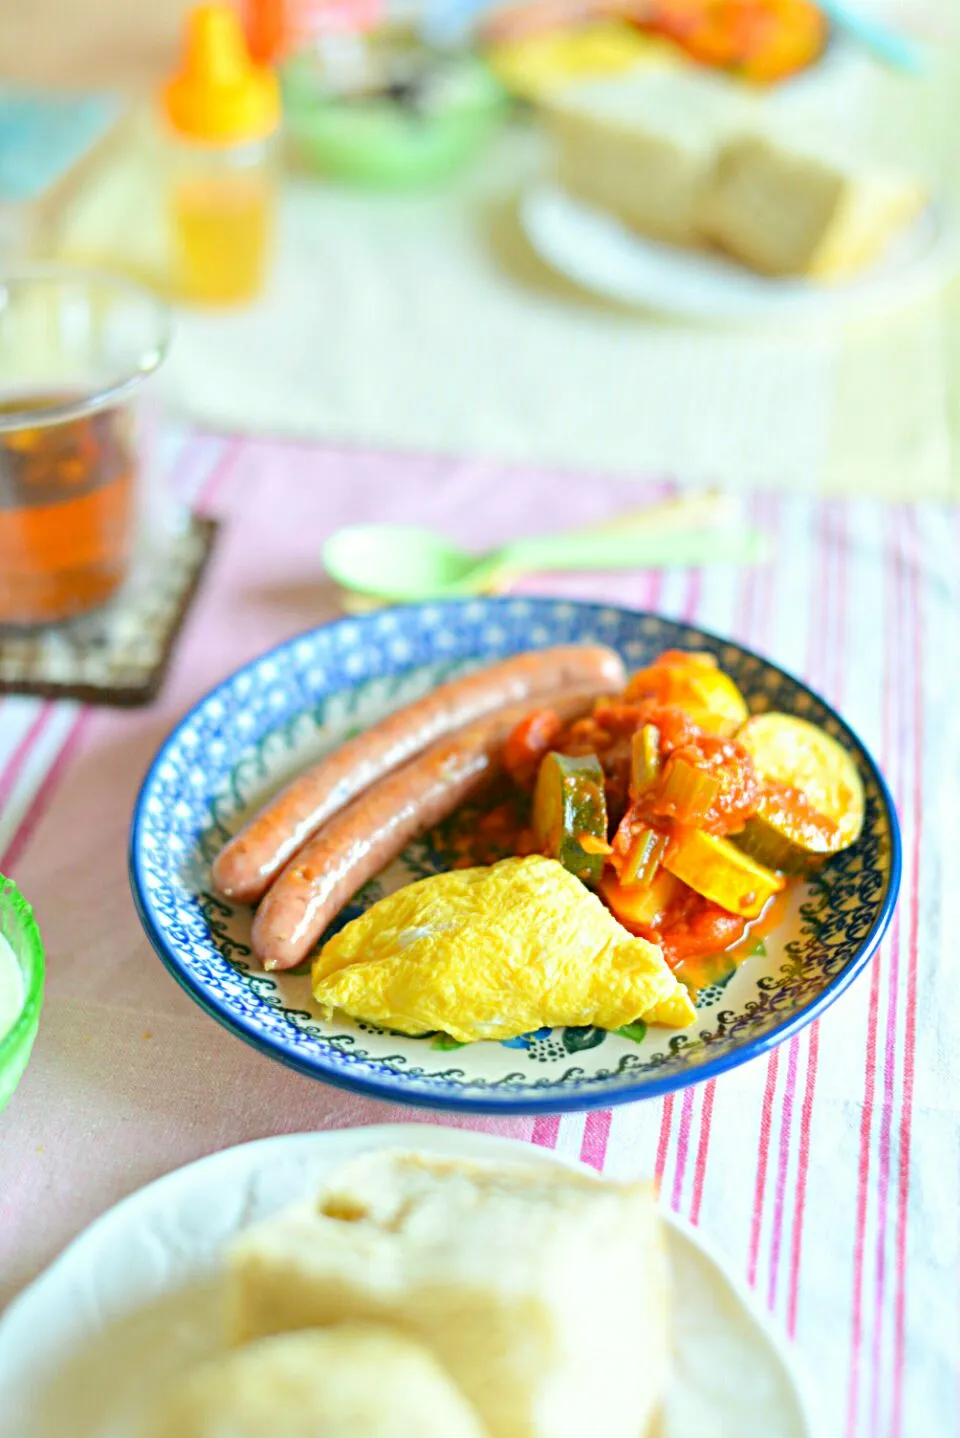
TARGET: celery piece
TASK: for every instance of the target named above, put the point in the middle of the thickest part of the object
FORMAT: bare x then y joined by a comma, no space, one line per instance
645,761
686,791
646,852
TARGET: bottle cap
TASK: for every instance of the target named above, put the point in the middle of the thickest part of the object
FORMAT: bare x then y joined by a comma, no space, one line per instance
219,94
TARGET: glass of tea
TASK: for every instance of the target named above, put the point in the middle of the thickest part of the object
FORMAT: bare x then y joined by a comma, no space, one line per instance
77,348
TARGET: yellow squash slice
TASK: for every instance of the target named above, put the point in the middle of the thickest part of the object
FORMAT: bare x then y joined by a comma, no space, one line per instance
694,683
719,871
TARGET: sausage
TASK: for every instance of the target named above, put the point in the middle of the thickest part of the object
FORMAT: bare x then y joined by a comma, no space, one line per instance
249,862
362,838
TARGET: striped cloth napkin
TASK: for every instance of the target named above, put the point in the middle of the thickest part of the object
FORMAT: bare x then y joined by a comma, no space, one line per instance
828,1172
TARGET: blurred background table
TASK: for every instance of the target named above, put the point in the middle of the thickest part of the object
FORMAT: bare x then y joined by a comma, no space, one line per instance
426,322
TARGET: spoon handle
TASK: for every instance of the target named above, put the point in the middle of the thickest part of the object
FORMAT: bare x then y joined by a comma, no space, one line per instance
633,550
703,509
700,512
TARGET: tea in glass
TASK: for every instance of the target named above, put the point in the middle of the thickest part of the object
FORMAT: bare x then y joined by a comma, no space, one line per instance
74,349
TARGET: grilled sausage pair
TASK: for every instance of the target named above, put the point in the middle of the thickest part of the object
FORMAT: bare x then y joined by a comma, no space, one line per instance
309,850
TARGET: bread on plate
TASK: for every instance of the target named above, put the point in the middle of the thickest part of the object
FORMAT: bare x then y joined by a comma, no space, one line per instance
543,1293
354,1380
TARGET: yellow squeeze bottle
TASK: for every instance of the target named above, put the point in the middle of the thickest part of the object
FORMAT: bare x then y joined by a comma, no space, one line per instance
223,113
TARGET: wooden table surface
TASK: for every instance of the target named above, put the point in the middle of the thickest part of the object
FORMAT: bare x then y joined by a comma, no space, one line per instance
127,43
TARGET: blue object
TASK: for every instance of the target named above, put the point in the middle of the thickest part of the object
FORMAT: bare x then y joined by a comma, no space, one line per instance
887,44
450,23
278,712
43,136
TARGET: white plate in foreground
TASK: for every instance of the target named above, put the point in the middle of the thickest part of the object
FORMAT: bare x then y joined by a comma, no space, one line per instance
599,253
135,1299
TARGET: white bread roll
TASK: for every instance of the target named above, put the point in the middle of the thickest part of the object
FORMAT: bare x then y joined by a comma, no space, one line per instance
351,1381
543,1293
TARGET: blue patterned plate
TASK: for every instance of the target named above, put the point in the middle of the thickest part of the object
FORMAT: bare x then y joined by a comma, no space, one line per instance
278,713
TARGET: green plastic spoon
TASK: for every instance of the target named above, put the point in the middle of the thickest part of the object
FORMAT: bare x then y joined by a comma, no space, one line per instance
401,563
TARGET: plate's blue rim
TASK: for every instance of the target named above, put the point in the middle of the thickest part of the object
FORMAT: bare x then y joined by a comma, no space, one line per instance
395,1090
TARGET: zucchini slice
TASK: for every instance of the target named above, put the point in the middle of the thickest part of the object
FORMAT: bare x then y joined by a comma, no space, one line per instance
570,814
721,872
813,804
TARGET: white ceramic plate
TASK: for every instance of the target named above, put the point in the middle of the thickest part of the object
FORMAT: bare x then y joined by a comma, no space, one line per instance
599,253
136,1298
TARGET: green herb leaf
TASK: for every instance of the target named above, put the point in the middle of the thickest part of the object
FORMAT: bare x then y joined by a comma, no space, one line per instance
637,1032
444,1041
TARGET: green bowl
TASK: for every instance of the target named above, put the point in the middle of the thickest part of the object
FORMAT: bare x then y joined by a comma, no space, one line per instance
19,928
383,145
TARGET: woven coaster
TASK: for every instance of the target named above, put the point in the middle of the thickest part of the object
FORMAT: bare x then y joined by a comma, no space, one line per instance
118,655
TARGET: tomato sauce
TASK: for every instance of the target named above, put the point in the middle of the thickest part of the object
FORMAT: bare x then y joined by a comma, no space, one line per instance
699,970
532,738
791,811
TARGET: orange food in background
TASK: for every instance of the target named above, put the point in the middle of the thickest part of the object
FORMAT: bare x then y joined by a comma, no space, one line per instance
67,512
761,40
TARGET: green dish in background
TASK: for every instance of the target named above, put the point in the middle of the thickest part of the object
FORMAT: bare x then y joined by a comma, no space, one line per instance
379,140
19,928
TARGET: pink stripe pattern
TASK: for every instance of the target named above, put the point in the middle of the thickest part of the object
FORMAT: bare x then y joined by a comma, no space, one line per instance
44,795
596,1132
828,639
910,1016
18,759
763,1157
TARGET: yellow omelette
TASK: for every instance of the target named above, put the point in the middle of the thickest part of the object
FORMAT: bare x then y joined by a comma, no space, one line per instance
492,953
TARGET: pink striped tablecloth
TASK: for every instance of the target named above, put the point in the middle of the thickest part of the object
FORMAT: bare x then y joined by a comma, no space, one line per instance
829,1172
